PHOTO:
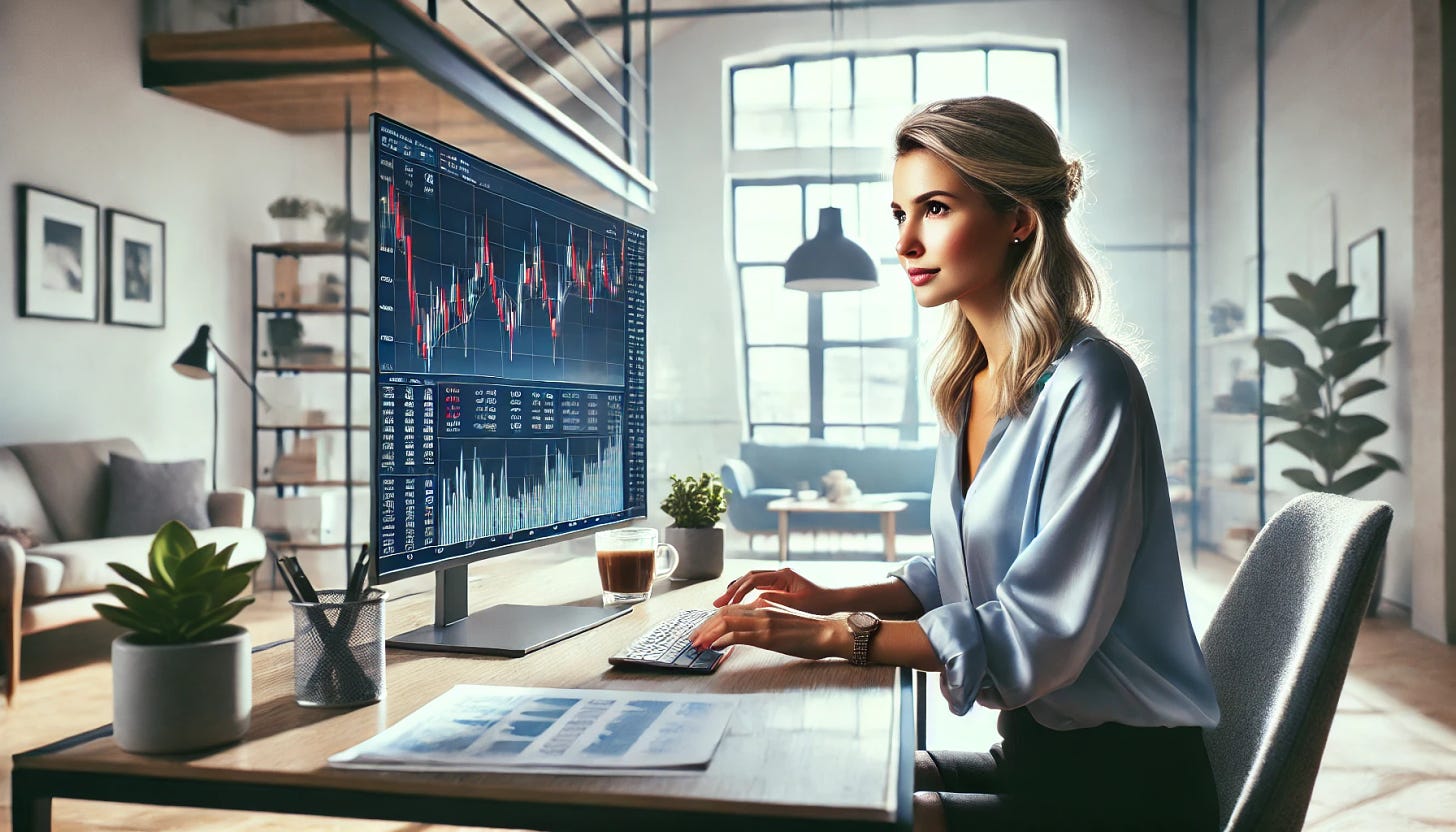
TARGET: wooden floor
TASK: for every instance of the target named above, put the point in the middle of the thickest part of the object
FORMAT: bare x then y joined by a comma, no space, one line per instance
1390,762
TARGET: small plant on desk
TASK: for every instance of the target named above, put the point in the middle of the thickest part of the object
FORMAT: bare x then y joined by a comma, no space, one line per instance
183,676
696,504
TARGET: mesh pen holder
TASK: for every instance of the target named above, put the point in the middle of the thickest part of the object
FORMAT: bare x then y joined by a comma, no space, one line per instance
338,650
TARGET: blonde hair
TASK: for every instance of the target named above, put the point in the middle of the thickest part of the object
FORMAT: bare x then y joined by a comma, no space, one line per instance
1007,153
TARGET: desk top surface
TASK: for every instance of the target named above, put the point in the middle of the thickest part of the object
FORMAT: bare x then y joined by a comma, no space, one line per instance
808,739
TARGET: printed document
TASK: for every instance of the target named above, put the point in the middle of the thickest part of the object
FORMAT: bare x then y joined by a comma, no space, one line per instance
490,728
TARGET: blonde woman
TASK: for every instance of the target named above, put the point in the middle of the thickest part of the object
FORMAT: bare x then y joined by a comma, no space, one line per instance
1054,594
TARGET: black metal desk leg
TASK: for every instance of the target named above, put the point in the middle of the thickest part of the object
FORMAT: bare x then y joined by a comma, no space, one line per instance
920,710
30,806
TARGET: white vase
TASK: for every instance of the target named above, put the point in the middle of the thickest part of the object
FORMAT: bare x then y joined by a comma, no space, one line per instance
700,552
170,698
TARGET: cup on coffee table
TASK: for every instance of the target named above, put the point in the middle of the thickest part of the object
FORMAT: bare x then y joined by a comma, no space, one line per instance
629,560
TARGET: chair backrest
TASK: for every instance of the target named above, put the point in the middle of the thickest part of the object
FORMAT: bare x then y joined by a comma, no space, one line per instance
1278,648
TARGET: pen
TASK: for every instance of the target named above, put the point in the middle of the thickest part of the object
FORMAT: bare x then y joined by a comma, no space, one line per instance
360,576
305,587
287,578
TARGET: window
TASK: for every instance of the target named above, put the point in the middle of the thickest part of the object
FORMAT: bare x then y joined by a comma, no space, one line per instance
846,366
864,95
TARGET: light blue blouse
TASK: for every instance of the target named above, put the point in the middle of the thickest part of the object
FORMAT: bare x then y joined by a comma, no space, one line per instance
1055,582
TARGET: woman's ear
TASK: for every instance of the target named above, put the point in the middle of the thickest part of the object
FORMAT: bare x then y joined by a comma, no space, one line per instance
1025,224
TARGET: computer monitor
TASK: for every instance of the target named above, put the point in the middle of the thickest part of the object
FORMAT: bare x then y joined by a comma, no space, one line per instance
508,381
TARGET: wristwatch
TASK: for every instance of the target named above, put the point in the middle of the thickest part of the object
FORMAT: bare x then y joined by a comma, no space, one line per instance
863,626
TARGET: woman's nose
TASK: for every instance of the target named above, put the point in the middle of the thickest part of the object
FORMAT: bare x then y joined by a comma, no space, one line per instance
907,245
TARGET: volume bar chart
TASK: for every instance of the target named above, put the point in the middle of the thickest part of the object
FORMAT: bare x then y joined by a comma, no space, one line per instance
549,480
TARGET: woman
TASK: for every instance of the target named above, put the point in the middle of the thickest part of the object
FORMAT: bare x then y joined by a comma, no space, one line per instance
1054,594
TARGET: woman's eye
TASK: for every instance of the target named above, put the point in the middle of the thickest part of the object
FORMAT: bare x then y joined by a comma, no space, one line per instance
899,217
935,209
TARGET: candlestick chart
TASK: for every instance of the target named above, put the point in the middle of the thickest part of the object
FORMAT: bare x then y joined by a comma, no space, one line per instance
484,285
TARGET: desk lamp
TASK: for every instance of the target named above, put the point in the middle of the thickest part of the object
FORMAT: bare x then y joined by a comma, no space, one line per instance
196,362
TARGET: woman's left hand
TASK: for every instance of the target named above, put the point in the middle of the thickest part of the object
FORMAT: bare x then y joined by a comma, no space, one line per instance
778,628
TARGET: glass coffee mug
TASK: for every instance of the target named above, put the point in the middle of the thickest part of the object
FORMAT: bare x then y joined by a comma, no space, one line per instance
629,561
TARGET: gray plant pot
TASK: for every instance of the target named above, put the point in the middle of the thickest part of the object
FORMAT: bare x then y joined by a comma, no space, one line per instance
170,698
700,552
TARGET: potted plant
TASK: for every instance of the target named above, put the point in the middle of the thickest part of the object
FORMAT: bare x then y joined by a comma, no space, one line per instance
339,223
293,215
182,679
1325,434
696,504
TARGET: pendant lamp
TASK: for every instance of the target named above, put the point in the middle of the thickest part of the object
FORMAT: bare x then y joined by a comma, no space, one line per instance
830,261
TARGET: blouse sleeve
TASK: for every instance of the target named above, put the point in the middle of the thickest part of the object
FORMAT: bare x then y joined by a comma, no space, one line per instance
1060,596
919,575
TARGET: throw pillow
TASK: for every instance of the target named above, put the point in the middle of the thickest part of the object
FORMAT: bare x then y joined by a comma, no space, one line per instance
145,495
23,536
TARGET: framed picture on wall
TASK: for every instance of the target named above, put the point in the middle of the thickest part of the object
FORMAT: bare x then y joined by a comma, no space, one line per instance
1367,275
136,270
57,252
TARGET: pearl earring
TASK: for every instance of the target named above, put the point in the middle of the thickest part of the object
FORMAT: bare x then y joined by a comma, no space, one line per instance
1016,240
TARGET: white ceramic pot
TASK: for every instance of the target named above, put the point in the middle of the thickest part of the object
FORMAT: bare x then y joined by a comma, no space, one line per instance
700,552
170,698
295,229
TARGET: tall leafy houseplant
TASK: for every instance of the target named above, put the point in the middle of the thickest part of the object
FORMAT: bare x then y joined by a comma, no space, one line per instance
182,679
1328,436
696,504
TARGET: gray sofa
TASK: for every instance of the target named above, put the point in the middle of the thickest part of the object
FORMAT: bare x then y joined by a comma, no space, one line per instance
763,473
60,493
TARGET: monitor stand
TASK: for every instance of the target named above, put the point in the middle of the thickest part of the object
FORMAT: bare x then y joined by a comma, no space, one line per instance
501,630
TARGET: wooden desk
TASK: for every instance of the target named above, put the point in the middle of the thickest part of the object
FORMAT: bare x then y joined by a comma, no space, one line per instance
811,745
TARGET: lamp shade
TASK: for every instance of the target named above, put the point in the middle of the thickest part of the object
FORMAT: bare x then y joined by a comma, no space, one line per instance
830,261
195,361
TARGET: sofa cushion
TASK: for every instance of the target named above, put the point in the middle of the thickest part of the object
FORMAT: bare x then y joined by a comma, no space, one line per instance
20,506
70,478
85,561
147,495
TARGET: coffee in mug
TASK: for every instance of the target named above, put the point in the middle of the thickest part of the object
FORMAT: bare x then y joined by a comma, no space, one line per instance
629,560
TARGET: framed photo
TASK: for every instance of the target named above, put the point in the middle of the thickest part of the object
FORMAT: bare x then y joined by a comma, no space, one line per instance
58,253
1367,275
136,270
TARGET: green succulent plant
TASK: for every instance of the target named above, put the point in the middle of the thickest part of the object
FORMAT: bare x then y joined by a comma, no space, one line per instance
1326,435
696,502
189,595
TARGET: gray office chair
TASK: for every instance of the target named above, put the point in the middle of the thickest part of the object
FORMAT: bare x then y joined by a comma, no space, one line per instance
1278,649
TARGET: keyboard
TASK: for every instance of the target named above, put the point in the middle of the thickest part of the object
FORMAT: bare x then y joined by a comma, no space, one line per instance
666,647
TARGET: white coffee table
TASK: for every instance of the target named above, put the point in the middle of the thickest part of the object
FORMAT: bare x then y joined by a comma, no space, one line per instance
868,504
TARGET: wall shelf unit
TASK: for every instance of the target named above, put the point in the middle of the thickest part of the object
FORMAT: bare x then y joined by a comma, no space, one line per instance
286,436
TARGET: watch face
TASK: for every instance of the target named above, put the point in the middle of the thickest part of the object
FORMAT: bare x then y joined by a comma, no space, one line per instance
864,621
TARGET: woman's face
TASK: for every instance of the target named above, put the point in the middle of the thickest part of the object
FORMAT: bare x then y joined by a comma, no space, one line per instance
952,244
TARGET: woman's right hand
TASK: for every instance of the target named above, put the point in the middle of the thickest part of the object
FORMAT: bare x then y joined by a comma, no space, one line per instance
782,586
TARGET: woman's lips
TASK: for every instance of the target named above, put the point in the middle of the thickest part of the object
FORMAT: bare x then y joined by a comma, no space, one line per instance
920,277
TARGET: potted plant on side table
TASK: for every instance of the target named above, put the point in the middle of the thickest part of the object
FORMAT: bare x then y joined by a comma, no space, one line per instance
182,679
294,217
696,504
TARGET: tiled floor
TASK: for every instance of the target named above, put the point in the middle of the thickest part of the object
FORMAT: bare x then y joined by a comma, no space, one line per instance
1390,762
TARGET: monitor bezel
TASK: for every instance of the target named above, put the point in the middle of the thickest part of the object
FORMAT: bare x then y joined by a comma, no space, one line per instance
375,576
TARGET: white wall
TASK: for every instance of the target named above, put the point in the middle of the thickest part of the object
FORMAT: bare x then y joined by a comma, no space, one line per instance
1126,67
1339,122
75,119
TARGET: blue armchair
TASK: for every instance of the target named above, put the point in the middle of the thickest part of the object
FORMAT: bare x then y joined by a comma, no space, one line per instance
764,473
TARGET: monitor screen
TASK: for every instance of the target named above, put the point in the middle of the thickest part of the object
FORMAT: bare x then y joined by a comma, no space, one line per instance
509,379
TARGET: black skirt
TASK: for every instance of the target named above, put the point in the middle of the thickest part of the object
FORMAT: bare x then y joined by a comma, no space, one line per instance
1110,776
